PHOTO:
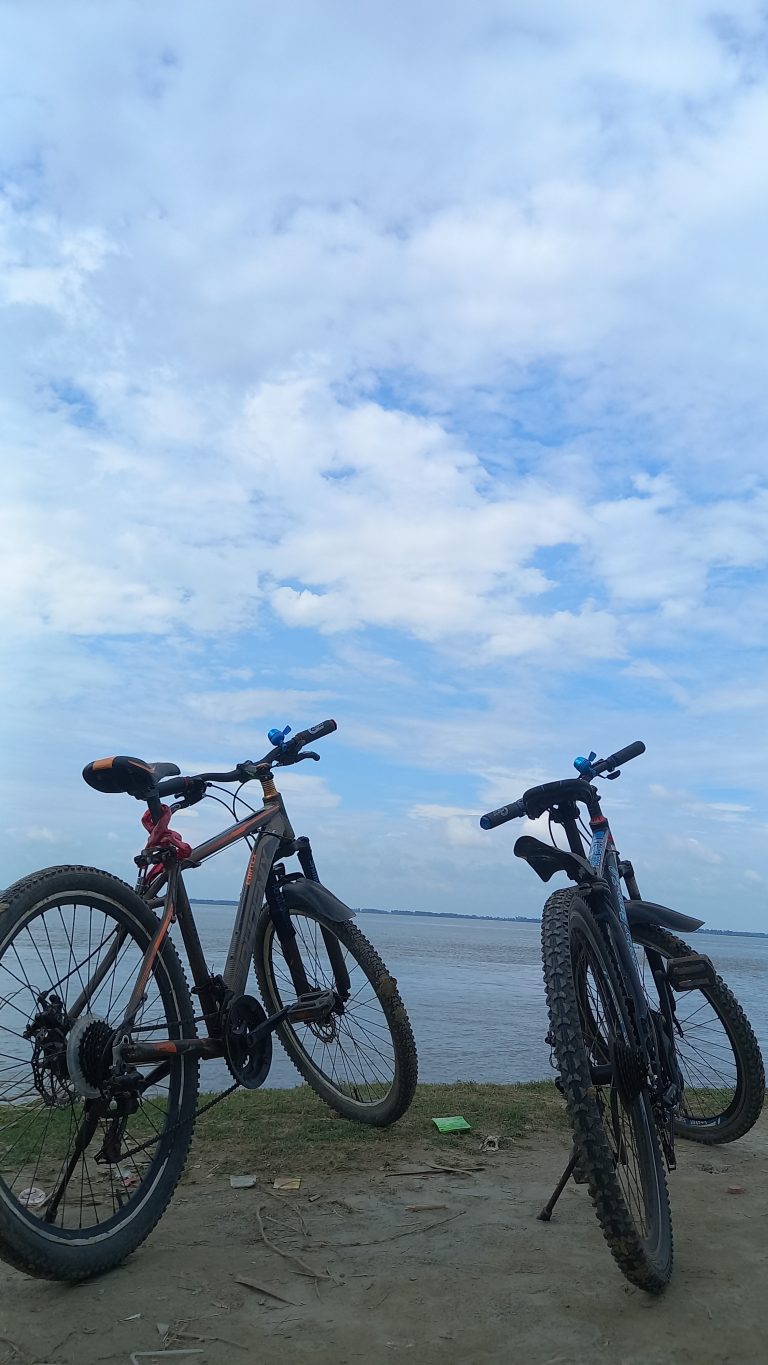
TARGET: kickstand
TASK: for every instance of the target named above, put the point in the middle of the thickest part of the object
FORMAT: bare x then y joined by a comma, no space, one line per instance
546,1212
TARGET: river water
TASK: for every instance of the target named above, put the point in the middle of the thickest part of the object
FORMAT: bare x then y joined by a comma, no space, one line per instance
474,992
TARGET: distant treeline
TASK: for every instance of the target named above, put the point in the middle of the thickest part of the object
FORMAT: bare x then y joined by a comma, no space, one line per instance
498,919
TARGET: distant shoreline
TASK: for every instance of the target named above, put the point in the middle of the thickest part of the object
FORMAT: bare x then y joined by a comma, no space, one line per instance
494,919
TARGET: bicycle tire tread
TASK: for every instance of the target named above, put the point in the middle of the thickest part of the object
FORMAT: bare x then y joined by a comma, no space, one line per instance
589,1135
751,1056
388,995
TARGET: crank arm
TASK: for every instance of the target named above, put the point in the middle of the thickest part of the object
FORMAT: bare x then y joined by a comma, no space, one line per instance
303,1010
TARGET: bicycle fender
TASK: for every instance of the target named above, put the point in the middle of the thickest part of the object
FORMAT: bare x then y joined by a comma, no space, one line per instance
647,912
547,860
303,894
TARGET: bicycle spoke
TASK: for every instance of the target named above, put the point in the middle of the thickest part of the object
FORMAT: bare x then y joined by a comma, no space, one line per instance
357,1055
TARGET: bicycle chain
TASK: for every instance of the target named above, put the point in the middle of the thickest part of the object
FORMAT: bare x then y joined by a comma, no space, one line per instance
151,1142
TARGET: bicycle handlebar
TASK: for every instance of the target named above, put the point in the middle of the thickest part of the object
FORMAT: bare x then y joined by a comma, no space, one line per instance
193,788
500,816
608,765
588,768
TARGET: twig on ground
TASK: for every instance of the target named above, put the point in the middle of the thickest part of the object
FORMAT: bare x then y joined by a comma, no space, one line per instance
436,1170
260,1288
406,1232
303,1268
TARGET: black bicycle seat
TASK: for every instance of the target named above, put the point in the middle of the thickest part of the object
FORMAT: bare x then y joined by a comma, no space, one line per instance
130,775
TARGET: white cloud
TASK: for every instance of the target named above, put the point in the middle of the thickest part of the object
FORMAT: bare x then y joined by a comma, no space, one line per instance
416,365
256,703
34,834
457,827
693,848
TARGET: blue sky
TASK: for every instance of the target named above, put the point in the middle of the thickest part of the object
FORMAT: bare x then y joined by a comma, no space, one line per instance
403,364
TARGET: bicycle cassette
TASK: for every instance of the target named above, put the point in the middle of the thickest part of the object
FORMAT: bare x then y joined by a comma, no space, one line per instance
248,1059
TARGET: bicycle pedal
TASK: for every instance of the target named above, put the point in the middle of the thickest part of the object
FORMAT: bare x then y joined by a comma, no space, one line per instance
308,1007
694,972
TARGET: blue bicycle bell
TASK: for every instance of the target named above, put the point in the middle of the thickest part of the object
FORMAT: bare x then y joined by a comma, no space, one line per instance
584,765
277,737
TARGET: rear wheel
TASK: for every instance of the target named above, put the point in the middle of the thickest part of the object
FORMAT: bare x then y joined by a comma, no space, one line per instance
361,1057
717,1051
86,1168
604,1080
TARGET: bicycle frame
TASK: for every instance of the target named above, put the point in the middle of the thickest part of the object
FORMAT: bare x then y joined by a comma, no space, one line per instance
274,837
603,857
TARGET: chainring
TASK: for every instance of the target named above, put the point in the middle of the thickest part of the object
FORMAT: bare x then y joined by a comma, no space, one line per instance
248,1060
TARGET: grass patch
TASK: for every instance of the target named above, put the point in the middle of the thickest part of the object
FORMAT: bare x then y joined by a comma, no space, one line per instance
274,1130
269,1128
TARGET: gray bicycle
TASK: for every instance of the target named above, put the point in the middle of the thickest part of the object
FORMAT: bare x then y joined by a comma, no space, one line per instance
101,1043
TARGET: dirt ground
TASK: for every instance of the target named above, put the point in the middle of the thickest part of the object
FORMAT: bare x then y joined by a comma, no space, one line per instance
436,1268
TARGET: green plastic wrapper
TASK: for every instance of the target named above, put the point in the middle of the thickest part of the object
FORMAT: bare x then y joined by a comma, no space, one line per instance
452,1125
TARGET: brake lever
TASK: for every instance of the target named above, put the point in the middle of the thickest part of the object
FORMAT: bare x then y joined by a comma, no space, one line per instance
299,758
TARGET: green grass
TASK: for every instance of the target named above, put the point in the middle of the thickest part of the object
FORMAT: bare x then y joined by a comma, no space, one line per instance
276,1129
269,1128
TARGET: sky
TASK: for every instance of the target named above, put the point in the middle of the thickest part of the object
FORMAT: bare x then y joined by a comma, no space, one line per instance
403,364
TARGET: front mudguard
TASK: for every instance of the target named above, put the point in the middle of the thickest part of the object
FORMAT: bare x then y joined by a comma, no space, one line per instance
300,893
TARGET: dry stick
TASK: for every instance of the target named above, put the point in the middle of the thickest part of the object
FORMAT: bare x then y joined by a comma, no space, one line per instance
436,1170
289,1255
289,1204
251,1282
17,1350
420,1227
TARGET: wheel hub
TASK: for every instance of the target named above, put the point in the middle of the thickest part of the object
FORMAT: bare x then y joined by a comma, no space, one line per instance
629,1069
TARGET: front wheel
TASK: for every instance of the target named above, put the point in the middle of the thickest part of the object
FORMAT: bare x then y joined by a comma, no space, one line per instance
716,1047
361,1057
603,1074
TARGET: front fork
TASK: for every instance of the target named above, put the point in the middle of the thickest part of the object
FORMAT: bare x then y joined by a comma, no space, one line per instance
286,933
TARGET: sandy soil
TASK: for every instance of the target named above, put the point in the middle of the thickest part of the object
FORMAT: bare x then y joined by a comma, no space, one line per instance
398,1282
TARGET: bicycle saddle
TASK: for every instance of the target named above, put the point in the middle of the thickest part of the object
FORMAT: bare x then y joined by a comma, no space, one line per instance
130,775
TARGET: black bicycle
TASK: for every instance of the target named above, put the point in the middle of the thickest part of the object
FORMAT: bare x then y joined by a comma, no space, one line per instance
648,1040
99,1041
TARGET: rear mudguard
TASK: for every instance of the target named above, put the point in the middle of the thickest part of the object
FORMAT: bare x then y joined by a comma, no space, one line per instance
642,913
547,860
302,894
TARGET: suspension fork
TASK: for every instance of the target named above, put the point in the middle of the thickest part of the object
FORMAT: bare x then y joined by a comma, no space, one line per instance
287,935
332,945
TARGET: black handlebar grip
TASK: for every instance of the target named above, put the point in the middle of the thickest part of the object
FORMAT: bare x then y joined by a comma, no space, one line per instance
302,737
326,727
624,755
499,817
